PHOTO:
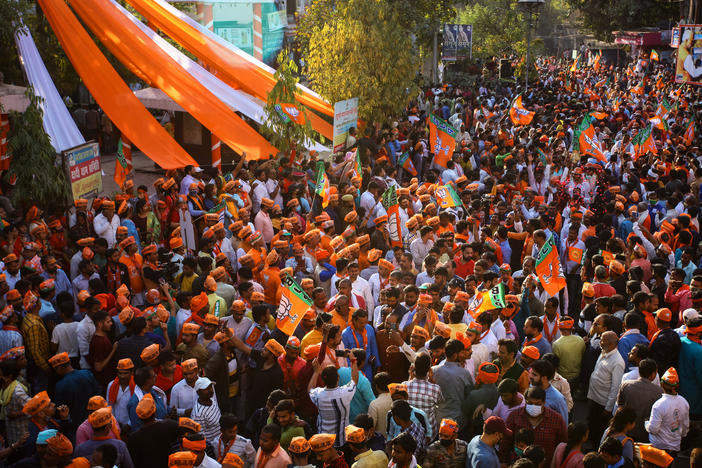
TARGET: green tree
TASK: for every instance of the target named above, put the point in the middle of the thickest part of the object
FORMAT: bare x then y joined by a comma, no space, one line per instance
499,27
603,17
40,180
361,50
278,128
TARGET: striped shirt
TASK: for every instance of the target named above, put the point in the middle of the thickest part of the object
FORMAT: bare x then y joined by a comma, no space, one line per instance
333,405
208,417
241,447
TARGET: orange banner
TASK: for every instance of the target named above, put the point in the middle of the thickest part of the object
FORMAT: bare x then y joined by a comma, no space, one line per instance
110,92
133,48
233,69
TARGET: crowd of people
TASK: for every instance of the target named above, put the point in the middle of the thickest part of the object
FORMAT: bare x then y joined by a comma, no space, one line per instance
142,329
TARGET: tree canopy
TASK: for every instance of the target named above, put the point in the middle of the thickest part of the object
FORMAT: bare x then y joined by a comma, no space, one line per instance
603,17
359,49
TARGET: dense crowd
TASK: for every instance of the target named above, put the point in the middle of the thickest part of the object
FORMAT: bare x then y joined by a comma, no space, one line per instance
143,329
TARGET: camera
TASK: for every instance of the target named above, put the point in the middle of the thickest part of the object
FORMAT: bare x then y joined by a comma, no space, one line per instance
167,268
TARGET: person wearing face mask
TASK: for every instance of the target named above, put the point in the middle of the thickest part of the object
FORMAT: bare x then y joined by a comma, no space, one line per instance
481,449
449,451
547,425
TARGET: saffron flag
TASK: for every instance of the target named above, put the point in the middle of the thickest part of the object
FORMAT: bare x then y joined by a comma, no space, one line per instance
689,135
322,186
294,302
121,170
663,109
586,140
654,55
486,113
574,67
596,62
548,268
4,145
518,114
405,162
638,89
607,256
447,197
492,299
290,112
392,208
443,139
643,142
598,115
575,254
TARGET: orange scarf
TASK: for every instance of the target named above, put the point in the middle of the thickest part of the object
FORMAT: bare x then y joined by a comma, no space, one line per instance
533,340
112,396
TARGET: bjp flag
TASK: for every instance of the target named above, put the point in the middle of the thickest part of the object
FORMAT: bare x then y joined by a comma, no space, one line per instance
443,139
492,299
518,114
121,169
586,140
689,135
294,302
447,197
405,162
654,55
548,268
392,207
322,186
290,112
643,142
607,256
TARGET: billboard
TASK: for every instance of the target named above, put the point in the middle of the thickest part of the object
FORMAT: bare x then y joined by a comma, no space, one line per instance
345,117
688,67
675,38
84,170
458,42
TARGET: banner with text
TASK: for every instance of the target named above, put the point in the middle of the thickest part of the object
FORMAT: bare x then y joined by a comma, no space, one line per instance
458,42
345,117
84,171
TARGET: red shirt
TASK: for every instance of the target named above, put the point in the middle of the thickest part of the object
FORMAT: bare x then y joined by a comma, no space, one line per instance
165,383
463,269
603,290
550,432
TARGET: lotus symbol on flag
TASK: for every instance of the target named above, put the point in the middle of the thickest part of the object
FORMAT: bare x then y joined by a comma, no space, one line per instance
441,193
293,111
284,309
440,149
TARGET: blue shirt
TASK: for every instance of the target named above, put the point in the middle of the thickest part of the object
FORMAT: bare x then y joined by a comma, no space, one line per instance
61,282
626,342
481,455
556,401
690,373
134,420
47,308
352,340
74,390
363,396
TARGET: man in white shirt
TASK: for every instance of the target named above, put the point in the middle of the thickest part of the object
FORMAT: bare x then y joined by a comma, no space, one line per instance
120,390
188,179
360,286
259,190
670,416
86,330
106,223
332,401
604,384
183,394
419,248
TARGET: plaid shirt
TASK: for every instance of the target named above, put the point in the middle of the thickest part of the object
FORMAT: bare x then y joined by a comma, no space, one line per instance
425,396
36,340
550,432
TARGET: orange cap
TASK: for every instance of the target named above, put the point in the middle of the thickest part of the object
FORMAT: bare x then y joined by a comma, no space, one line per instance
322,442
189,424
531,351
488,373
182,460
394,388
671,377
197,303
100,417
37,403
655,456
354,434
60,445
189,365
96,402
274,347
299,445
232,460
59,360
146,407
125,364
448,428
150,353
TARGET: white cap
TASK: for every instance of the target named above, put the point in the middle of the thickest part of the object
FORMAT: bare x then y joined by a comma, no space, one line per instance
202,383
198,169
690,314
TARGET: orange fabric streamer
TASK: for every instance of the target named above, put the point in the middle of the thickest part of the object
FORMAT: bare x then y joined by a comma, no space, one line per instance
231,68
110,92
132,47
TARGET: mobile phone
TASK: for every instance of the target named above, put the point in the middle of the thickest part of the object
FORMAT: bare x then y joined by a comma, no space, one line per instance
340,352
393,327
